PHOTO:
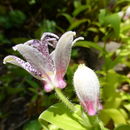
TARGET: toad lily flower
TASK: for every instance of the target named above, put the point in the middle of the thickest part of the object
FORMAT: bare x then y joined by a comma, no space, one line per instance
87,89
47,67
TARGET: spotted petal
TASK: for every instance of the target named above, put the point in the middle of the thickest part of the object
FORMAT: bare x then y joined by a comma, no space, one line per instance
35,58
62,53
25,65
41,46
50,38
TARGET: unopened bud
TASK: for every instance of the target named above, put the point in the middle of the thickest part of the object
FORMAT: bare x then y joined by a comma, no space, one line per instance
87,86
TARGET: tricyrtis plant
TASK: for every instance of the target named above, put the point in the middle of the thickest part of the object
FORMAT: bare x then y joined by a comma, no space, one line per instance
50,68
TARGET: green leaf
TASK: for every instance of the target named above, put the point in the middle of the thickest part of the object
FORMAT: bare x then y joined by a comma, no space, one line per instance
127,106
123,127
113,102
4,22
3,39
125,28
68,17
77,3
17,17
77,23
113,114
32,125
89,44
102,16
19,40
45,26
93,29
32,83
79,10
109,86
62,117
31,2
124,113
114,20
53,127
122,1
113,62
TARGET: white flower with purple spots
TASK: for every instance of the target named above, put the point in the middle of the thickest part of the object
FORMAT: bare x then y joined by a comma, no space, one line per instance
45,66
87,86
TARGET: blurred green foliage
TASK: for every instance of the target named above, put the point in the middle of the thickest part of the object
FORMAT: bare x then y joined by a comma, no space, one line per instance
98,21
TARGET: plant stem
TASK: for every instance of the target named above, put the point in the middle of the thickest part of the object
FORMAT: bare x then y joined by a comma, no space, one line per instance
64,99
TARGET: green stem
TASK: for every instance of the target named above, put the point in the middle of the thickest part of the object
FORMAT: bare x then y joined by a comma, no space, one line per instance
64,99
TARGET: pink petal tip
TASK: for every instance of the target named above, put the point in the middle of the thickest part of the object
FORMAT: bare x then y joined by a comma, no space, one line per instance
61,84
48,87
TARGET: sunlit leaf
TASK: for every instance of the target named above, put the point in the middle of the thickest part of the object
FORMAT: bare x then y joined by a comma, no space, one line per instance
102,16
110,86
93,29
89,44
127,106
112,19
62,117
124,113
113,114
125,28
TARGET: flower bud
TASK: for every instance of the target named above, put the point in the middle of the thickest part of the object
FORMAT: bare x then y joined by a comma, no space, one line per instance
87,86
127,14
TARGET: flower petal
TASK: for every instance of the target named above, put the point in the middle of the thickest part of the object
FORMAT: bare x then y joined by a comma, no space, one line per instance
35,58
50,38
41,46
21,63
77,39
90,107
48,86
61,83
48,34
62,53
29,42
